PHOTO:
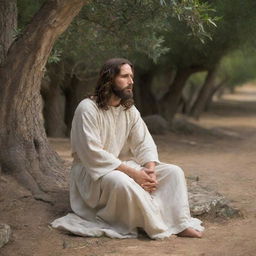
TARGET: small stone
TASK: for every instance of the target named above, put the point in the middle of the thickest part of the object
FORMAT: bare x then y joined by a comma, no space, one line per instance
5,233
194,178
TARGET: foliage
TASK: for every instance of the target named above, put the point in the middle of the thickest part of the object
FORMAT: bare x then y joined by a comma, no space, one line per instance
131,29
196,16
239,67
26,11
168,33
235,28
197,78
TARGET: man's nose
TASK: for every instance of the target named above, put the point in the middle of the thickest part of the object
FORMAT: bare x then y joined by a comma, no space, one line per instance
130,80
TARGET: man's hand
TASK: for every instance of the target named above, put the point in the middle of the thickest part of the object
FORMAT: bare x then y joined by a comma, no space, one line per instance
146,179
151,166
153,176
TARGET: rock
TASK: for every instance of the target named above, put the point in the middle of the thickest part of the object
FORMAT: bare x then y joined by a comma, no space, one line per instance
206,202
193,178
5,233
156,124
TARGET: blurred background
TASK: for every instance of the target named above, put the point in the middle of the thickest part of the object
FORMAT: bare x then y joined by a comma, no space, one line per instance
194,86
186,54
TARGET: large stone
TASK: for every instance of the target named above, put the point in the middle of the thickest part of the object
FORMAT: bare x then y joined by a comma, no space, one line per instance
5,233
156,124
206,202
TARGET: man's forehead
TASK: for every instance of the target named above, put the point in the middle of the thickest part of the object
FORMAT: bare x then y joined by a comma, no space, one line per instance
126,68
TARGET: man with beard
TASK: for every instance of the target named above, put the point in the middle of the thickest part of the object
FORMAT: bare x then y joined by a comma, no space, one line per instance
116,197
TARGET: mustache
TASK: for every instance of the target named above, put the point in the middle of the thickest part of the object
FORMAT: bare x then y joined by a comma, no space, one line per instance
128,87
121,90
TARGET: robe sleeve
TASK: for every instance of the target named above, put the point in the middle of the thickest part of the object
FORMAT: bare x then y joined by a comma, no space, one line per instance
142,144
86,142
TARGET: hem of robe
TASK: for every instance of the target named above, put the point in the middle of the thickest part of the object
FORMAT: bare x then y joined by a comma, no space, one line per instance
78,226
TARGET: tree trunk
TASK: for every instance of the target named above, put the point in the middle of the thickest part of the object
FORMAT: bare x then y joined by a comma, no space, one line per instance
170,101
72,100
148,103
54,101
75,91
189,96
54,109
216,88
24,148
204,92
8,24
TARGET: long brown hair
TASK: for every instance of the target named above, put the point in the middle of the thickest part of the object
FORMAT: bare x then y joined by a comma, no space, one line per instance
107,75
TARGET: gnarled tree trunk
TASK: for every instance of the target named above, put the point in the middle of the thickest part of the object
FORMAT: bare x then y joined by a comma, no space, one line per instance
204,93
54,102
24,148
8,24
214,90
170,101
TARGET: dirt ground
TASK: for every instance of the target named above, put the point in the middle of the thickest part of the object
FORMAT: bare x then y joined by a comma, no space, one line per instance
225,164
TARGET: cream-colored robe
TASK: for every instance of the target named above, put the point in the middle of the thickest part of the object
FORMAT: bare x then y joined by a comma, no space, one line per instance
107,201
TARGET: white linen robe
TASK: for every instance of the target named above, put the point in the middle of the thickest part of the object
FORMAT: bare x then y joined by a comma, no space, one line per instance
107,201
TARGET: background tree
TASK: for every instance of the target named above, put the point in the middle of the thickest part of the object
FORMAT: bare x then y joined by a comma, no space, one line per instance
237,30
25,152
130,29
239,67
8,26
188,55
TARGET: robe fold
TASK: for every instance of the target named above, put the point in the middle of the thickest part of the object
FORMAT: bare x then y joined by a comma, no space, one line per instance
108,202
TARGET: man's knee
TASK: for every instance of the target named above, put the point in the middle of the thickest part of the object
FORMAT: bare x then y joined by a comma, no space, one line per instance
117,180
174,171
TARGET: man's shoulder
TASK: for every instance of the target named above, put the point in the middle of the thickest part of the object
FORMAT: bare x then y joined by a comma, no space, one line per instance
87,105
133,111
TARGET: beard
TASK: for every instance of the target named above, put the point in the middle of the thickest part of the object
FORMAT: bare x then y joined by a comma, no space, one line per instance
123,94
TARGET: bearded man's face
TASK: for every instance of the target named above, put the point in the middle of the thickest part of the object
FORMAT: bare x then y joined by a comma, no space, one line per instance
123,83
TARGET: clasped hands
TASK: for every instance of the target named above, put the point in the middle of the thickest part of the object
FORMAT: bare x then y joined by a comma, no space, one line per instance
146,178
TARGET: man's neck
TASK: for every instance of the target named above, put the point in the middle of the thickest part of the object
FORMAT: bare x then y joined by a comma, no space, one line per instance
114,101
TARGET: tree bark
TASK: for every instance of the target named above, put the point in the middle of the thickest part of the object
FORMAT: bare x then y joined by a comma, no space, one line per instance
8,24
170,101
24,148
204,92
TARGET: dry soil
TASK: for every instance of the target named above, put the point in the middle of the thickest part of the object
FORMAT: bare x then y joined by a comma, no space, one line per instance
226,164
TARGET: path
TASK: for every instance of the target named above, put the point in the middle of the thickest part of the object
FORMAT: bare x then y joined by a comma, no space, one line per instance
225,165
